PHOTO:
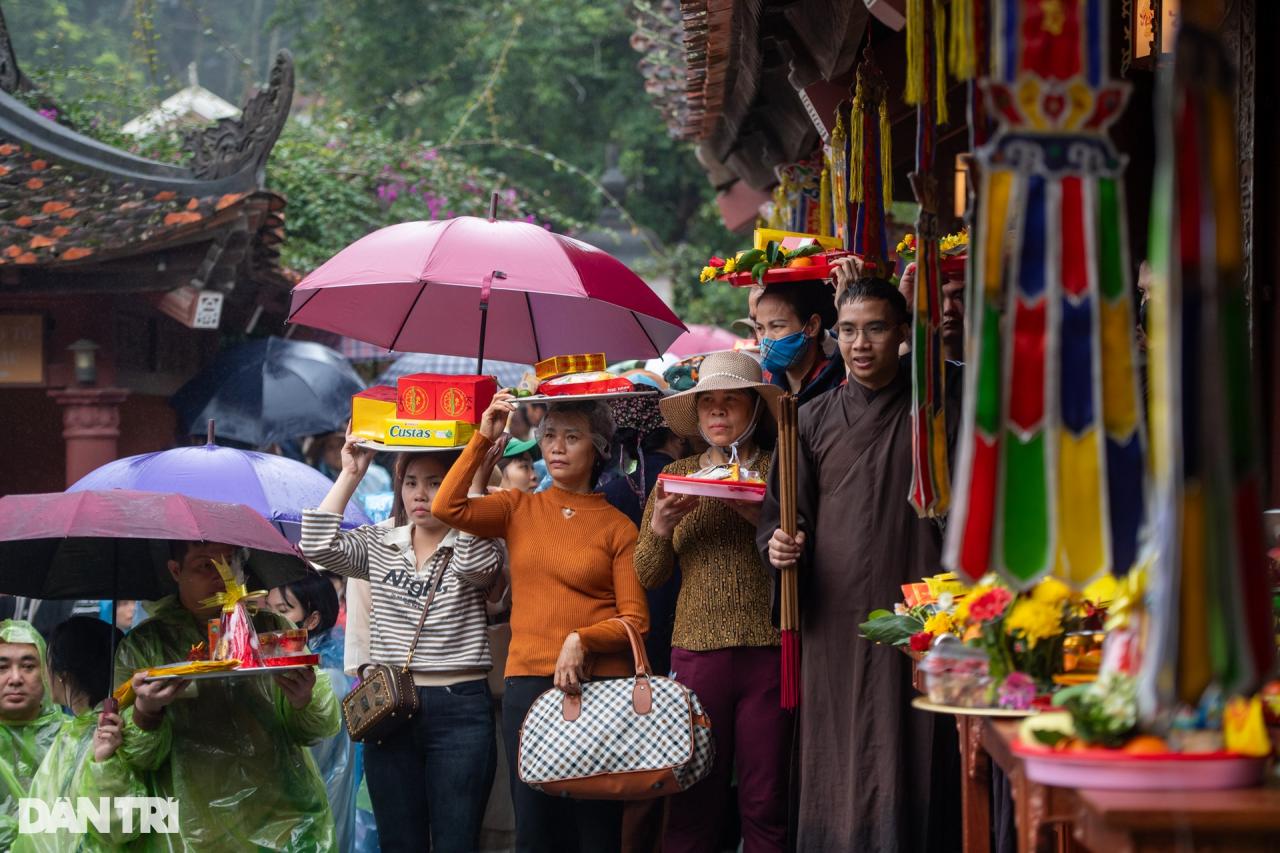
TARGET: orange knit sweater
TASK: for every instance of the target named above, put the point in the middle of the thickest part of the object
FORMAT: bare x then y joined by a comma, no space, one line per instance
571,568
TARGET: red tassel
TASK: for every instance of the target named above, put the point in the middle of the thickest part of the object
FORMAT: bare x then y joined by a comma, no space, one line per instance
790,670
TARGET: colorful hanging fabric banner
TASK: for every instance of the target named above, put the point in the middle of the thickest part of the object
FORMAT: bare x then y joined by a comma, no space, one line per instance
1209,621
1050,476
931,474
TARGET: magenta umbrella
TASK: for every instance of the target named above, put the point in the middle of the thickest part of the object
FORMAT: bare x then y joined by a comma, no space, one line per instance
115,543
701,339
434,286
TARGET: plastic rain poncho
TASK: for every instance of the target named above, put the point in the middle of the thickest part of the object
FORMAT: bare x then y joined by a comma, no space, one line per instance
233,752
69,771
23,744
337,758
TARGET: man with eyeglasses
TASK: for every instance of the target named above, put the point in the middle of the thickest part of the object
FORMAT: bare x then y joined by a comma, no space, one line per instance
867,771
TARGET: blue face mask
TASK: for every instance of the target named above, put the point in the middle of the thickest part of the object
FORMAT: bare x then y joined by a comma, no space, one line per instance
779,354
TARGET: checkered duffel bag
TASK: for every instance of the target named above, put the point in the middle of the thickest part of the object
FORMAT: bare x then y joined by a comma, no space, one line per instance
622,739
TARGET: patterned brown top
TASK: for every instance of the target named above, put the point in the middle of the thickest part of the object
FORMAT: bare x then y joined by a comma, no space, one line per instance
724,589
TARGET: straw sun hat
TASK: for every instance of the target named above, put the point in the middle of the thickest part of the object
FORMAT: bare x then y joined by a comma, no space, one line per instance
719,371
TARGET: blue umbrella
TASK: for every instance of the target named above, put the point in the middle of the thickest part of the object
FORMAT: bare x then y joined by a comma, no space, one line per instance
270,390
509,373
275,487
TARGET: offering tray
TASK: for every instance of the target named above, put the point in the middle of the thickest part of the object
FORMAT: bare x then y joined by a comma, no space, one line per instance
734,490
1114,769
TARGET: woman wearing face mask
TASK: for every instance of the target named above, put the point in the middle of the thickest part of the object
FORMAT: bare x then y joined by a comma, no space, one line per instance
430,778
571,575
797,353
724,646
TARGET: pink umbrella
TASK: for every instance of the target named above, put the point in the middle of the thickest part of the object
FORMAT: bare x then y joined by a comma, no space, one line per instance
433,287
114,543
702,339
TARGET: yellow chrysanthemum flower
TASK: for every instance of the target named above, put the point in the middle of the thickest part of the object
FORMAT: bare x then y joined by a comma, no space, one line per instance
707,274
1035,620
939,623
954,241
731,265
1102,591
1051,591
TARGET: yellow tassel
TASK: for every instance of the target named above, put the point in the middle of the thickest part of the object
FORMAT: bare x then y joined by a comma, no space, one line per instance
886,153
824,202
940,66
779,204
915,52
839,165
856,136
962,49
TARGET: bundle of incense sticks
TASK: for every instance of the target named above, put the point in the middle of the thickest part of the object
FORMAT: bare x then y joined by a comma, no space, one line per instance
789,610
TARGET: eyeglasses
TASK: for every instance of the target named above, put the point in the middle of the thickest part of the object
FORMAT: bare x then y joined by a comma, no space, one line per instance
875,332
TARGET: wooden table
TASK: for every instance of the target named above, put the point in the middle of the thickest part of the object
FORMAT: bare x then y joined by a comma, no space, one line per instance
1065,819
1138,821
1042,812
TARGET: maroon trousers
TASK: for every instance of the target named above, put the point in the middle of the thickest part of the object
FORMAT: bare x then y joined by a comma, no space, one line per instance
739,689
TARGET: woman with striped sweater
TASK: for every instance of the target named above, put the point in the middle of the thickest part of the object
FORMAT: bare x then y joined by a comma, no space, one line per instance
430,778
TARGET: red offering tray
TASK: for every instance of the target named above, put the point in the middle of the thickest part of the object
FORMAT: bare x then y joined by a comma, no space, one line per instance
734,490
819,269
1114,769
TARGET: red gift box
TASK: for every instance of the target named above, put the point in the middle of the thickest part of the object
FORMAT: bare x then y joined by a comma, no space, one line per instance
441,397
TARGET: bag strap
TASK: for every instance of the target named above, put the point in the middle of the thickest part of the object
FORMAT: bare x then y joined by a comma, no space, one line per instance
638,652
431,596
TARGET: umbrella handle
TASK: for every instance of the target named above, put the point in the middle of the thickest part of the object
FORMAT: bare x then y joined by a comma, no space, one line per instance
486,288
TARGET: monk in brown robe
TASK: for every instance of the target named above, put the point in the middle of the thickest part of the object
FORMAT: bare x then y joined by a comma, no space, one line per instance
874,774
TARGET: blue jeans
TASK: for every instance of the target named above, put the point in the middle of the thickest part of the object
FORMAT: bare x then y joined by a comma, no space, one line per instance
431,778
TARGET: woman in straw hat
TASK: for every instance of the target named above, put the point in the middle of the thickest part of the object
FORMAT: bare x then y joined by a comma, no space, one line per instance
724,646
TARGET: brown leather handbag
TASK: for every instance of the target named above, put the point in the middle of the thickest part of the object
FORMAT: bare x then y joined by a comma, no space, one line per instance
386,697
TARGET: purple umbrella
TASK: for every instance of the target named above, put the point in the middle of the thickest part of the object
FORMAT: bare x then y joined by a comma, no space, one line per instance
275,487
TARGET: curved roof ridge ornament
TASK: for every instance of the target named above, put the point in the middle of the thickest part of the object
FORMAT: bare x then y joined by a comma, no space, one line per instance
235,145
12,79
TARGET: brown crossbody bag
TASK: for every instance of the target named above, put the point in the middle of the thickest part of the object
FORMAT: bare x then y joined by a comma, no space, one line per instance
386,696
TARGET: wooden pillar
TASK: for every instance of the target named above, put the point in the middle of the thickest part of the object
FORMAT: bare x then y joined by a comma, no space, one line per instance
90,427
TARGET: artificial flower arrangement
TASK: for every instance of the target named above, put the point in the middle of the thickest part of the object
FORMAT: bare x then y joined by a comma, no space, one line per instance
1001,648
1095,724
952,246
760,261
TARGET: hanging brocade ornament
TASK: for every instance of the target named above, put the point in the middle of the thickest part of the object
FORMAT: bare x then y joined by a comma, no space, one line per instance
869,162
926,88
798,197
1050,476
1209,621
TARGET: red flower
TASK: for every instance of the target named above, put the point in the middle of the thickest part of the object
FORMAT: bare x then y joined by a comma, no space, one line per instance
715,262
990,604
920,642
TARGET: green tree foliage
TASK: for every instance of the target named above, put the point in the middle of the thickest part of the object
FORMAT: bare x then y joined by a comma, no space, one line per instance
414,109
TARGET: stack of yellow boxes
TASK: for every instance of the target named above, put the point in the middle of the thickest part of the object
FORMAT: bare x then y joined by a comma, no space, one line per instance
423,410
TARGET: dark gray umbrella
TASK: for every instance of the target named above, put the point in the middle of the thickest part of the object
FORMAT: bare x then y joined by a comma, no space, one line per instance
269,390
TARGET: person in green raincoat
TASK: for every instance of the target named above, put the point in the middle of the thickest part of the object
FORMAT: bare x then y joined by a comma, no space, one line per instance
82,761
29,720
232,752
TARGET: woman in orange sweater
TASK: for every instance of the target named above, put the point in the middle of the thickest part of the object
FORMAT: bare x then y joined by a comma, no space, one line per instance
571,573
